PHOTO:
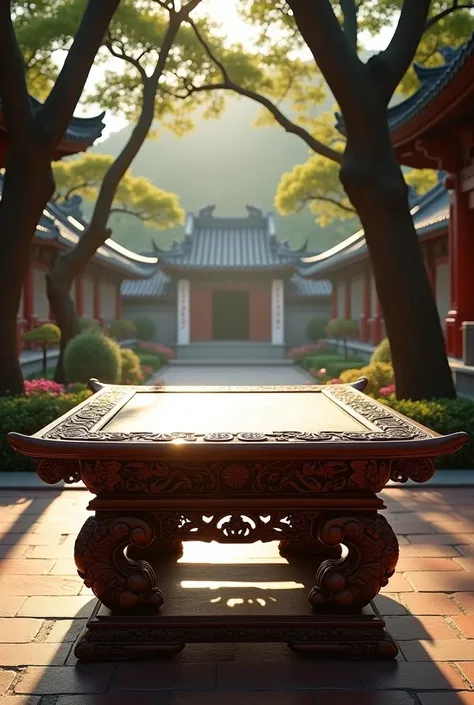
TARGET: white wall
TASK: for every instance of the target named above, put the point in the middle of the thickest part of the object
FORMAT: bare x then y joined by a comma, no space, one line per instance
443,295
108,294
88,297
40,299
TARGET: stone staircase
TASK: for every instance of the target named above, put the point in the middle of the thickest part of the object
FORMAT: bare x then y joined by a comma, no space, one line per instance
231,353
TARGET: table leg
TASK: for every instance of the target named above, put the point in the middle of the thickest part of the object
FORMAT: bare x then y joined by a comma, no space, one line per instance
117,580
353,581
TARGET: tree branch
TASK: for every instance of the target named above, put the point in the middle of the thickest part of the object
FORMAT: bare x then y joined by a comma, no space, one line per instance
337,60
334,202
13,90
279,116
141,216
350,26
441,15
68,194
398,56
126,57
59,107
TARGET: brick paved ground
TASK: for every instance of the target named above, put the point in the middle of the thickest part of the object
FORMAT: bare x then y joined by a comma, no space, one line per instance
429,608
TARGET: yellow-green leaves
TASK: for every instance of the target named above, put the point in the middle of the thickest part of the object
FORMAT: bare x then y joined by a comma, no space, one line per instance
135,195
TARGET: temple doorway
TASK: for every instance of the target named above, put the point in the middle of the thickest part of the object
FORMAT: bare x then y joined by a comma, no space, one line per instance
230,315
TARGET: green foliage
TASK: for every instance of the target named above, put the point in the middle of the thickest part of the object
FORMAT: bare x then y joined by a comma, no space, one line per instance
379,374
46,335
444,416
382,352
90,355
342,328
131,372
145,328
150,360
316,328
28,415
326,360
89,325
135,196
422,180
122,329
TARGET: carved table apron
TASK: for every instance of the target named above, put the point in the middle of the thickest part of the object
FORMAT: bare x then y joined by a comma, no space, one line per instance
313,491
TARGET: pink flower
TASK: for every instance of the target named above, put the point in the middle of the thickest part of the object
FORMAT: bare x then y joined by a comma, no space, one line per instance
43,386
387,391
322,371
335,380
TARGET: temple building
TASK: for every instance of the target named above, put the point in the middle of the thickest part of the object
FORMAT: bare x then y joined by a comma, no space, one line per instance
96,292
432,129
230,289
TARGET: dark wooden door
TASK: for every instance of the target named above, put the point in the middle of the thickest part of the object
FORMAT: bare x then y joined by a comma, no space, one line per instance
230,315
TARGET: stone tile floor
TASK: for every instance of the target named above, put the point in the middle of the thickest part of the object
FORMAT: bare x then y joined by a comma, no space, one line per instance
429,607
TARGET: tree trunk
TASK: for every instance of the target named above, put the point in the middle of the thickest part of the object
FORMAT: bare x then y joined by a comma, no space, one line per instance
58,287
20,210
374,183
45,361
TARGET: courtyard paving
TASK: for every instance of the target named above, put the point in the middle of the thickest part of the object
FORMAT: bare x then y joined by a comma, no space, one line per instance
429,607
234,375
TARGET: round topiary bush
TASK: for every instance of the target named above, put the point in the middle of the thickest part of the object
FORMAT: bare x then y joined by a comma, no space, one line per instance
131,371
91,355
146,328
316,328
122,329
382,352
89,325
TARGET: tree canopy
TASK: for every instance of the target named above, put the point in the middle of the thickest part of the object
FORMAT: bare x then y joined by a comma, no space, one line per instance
136,196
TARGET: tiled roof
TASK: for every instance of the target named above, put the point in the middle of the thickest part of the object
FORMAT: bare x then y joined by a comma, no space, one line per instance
432,80
430,213
298,286
156,285
64,224
83,130
229,243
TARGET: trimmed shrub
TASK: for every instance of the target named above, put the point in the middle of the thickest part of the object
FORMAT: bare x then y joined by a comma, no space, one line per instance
316,328
46,336
379,374
122,329
145,328
444,416
89,326
382,352
131,372
334,360
303,351
28,415
342,329
90,355
156,349
150,360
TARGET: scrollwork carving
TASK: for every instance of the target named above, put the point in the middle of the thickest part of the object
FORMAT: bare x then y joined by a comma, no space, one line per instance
53,471
101,562
419,470
352,582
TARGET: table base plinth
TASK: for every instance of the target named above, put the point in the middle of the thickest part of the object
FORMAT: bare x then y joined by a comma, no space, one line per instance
112,637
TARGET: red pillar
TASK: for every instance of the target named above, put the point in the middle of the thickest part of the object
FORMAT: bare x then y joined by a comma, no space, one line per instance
334,302
28,296
364,334
79,287
461,253
347,298
118,303
97,305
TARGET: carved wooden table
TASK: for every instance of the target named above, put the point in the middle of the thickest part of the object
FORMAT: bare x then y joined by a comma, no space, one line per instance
297,465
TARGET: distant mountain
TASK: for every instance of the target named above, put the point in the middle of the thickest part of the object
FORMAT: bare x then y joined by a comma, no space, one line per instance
227,162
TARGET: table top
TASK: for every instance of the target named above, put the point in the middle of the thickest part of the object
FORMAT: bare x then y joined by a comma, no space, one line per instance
336,421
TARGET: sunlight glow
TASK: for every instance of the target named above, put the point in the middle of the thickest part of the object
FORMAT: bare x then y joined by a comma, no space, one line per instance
219,584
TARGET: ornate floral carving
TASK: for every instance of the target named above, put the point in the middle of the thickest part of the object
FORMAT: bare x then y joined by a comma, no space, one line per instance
352,582
389,426
53,471
292,477
418,470
101,562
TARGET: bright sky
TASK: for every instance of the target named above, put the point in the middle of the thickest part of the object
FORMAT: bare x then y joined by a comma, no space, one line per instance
225,12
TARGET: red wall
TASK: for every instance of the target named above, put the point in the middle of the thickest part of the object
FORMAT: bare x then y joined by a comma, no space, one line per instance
260,323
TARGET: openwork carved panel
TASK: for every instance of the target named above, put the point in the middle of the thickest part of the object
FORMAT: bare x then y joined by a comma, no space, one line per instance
234,478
